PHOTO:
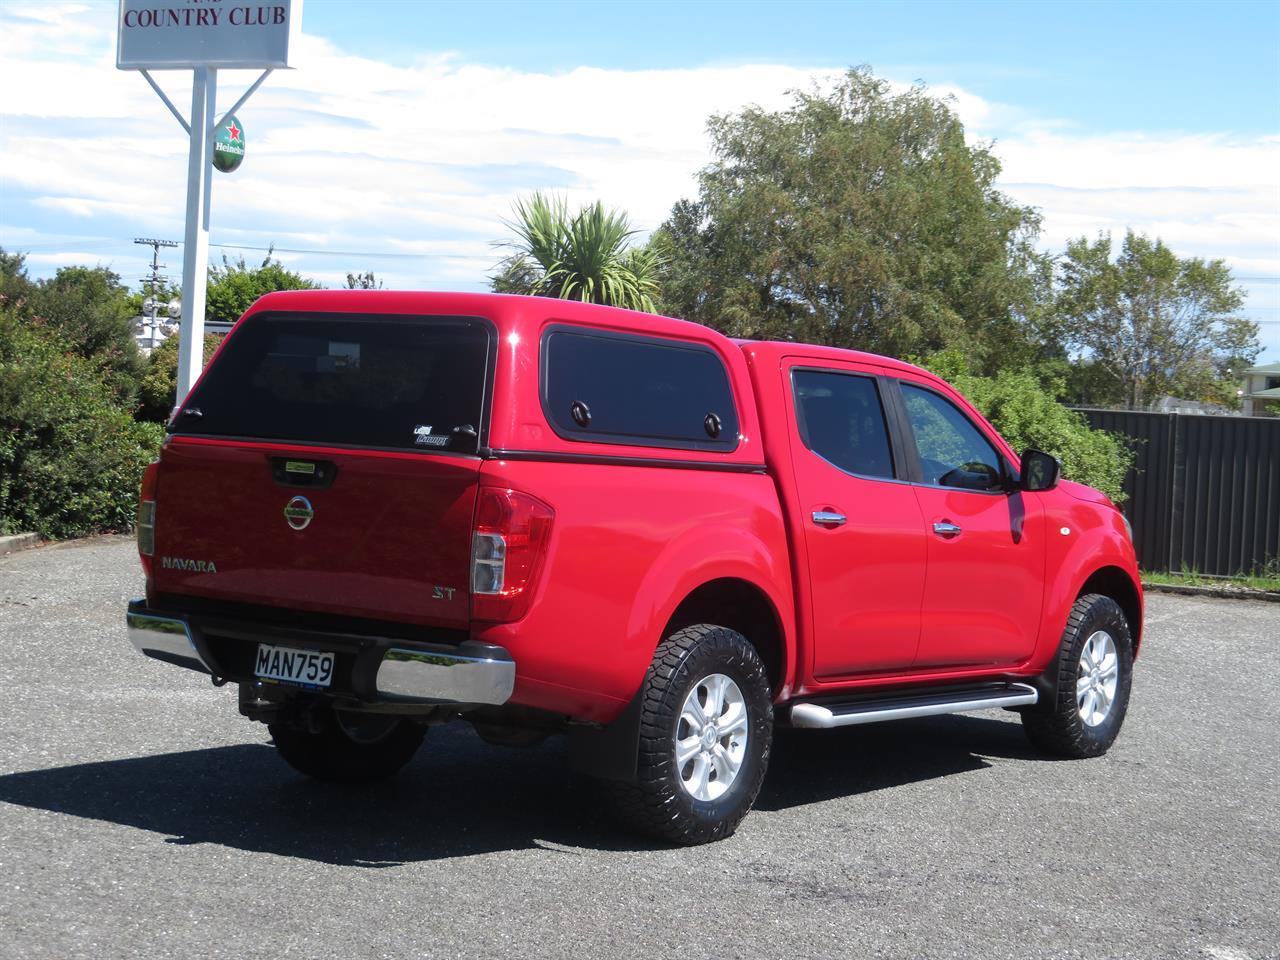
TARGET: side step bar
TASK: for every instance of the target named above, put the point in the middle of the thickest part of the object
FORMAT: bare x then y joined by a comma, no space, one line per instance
818,716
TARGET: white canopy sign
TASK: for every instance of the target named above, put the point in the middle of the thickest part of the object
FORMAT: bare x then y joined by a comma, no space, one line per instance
181,34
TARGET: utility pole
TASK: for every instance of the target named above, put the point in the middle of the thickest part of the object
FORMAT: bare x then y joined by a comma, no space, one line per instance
151,302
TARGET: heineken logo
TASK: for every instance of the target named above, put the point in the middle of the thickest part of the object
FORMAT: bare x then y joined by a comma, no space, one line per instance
228,145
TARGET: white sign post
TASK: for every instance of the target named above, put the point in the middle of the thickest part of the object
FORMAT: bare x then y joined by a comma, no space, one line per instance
202,36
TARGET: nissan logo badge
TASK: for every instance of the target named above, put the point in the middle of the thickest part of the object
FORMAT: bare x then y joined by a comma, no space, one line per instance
298,512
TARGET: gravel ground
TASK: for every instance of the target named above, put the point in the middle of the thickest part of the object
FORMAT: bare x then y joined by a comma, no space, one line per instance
140,816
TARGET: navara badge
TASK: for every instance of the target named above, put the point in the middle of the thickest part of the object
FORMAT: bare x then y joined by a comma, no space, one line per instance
299,512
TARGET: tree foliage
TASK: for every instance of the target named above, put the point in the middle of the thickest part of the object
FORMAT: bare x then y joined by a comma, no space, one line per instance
15,285
89,310
1027,415
234,287
584,256
861,218
71,455
1151,324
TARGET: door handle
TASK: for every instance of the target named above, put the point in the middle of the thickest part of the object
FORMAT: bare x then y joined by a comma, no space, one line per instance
829,518
946,529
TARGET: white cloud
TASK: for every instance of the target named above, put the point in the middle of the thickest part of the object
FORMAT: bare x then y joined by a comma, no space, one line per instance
1140,160
68,28
1238,224
347,153
66,258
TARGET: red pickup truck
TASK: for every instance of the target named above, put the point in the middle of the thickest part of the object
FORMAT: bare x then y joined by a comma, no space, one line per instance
379,511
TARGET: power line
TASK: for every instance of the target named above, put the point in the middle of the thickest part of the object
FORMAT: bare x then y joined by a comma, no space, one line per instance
387,255
358,253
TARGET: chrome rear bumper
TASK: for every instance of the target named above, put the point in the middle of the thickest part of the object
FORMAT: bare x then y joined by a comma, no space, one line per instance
444,677
382,669
164,638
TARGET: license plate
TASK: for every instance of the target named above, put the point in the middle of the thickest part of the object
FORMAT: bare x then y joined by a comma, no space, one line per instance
289,665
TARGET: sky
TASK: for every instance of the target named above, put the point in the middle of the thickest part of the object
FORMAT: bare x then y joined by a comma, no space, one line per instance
406,129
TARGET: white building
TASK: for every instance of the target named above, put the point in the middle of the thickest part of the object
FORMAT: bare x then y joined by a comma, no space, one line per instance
1261,384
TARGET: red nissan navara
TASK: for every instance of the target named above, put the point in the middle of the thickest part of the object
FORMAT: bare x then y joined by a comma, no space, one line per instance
378,511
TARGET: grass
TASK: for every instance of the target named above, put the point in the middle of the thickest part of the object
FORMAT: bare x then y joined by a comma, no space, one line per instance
1267,579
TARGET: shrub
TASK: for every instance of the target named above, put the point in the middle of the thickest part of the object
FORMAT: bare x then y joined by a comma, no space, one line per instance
90,311
159,384
71,458
1027,415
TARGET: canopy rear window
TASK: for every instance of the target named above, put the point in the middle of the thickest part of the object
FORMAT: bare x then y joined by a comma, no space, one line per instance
374,381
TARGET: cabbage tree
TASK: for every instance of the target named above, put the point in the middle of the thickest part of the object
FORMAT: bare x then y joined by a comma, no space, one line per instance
584,256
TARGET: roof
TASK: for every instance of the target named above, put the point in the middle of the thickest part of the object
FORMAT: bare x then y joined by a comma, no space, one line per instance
515,311
1271,368
783,348
1272,394
498,307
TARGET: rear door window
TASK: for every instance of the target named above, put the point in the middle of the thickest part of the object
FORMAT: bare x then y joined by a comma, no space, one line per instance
841,419
398,383
617,388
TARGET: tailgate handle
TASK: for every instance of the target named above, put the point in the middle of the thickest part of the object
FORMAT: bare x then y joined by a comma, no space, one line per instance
303,472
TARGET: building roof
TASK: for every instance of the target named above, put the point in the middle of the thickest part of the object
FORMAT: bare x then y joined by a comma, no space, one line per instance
1268,368
1272,394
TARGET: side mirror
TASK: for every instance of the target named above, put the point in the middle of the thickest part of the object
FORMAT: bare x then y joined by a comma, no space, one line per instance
1039,471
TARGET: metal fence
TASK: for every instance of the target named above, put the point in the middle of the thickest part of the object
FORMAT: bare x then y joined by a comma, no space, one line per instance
1204,491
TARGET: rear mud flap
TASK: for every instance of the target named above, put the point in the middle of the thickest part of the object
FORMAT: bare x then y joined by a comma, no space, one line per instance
609,752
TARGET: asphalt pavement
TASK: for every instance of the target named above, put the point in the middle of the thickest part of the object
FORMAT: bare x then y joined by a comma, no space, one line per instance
141,816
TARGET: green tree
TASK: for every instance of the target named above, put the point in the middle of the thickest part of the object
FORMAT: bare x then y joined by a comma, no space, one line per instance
71,456
858,218
89,310
1027,415
234,287
15,285
159,385
580,257
1150,324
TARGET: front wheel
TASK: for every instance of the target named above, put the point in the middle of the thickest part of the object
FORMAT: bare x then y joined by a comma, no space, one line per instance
1095,669
706,727
349,747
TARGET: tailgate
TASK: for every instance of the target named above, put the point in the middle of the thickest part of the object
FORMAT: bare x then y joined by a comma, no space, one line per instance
380,535
328,462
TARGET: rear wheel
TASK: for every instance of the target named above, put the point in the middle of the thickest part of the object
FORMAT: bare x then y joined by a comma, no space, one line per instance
1095,669
349,747
706,728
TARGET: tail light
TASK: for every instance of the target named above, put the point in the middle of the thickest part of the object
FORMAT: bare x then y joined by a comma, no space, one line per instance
146,525
509,541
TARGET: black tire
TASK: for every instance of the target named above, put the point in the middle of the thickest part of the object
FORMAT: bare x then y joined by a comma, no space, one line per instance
349,747
659,804
1060,728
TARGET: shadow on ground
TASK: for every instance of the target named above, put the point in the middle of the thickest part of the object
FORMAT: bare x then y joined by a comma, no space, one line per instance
461,797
